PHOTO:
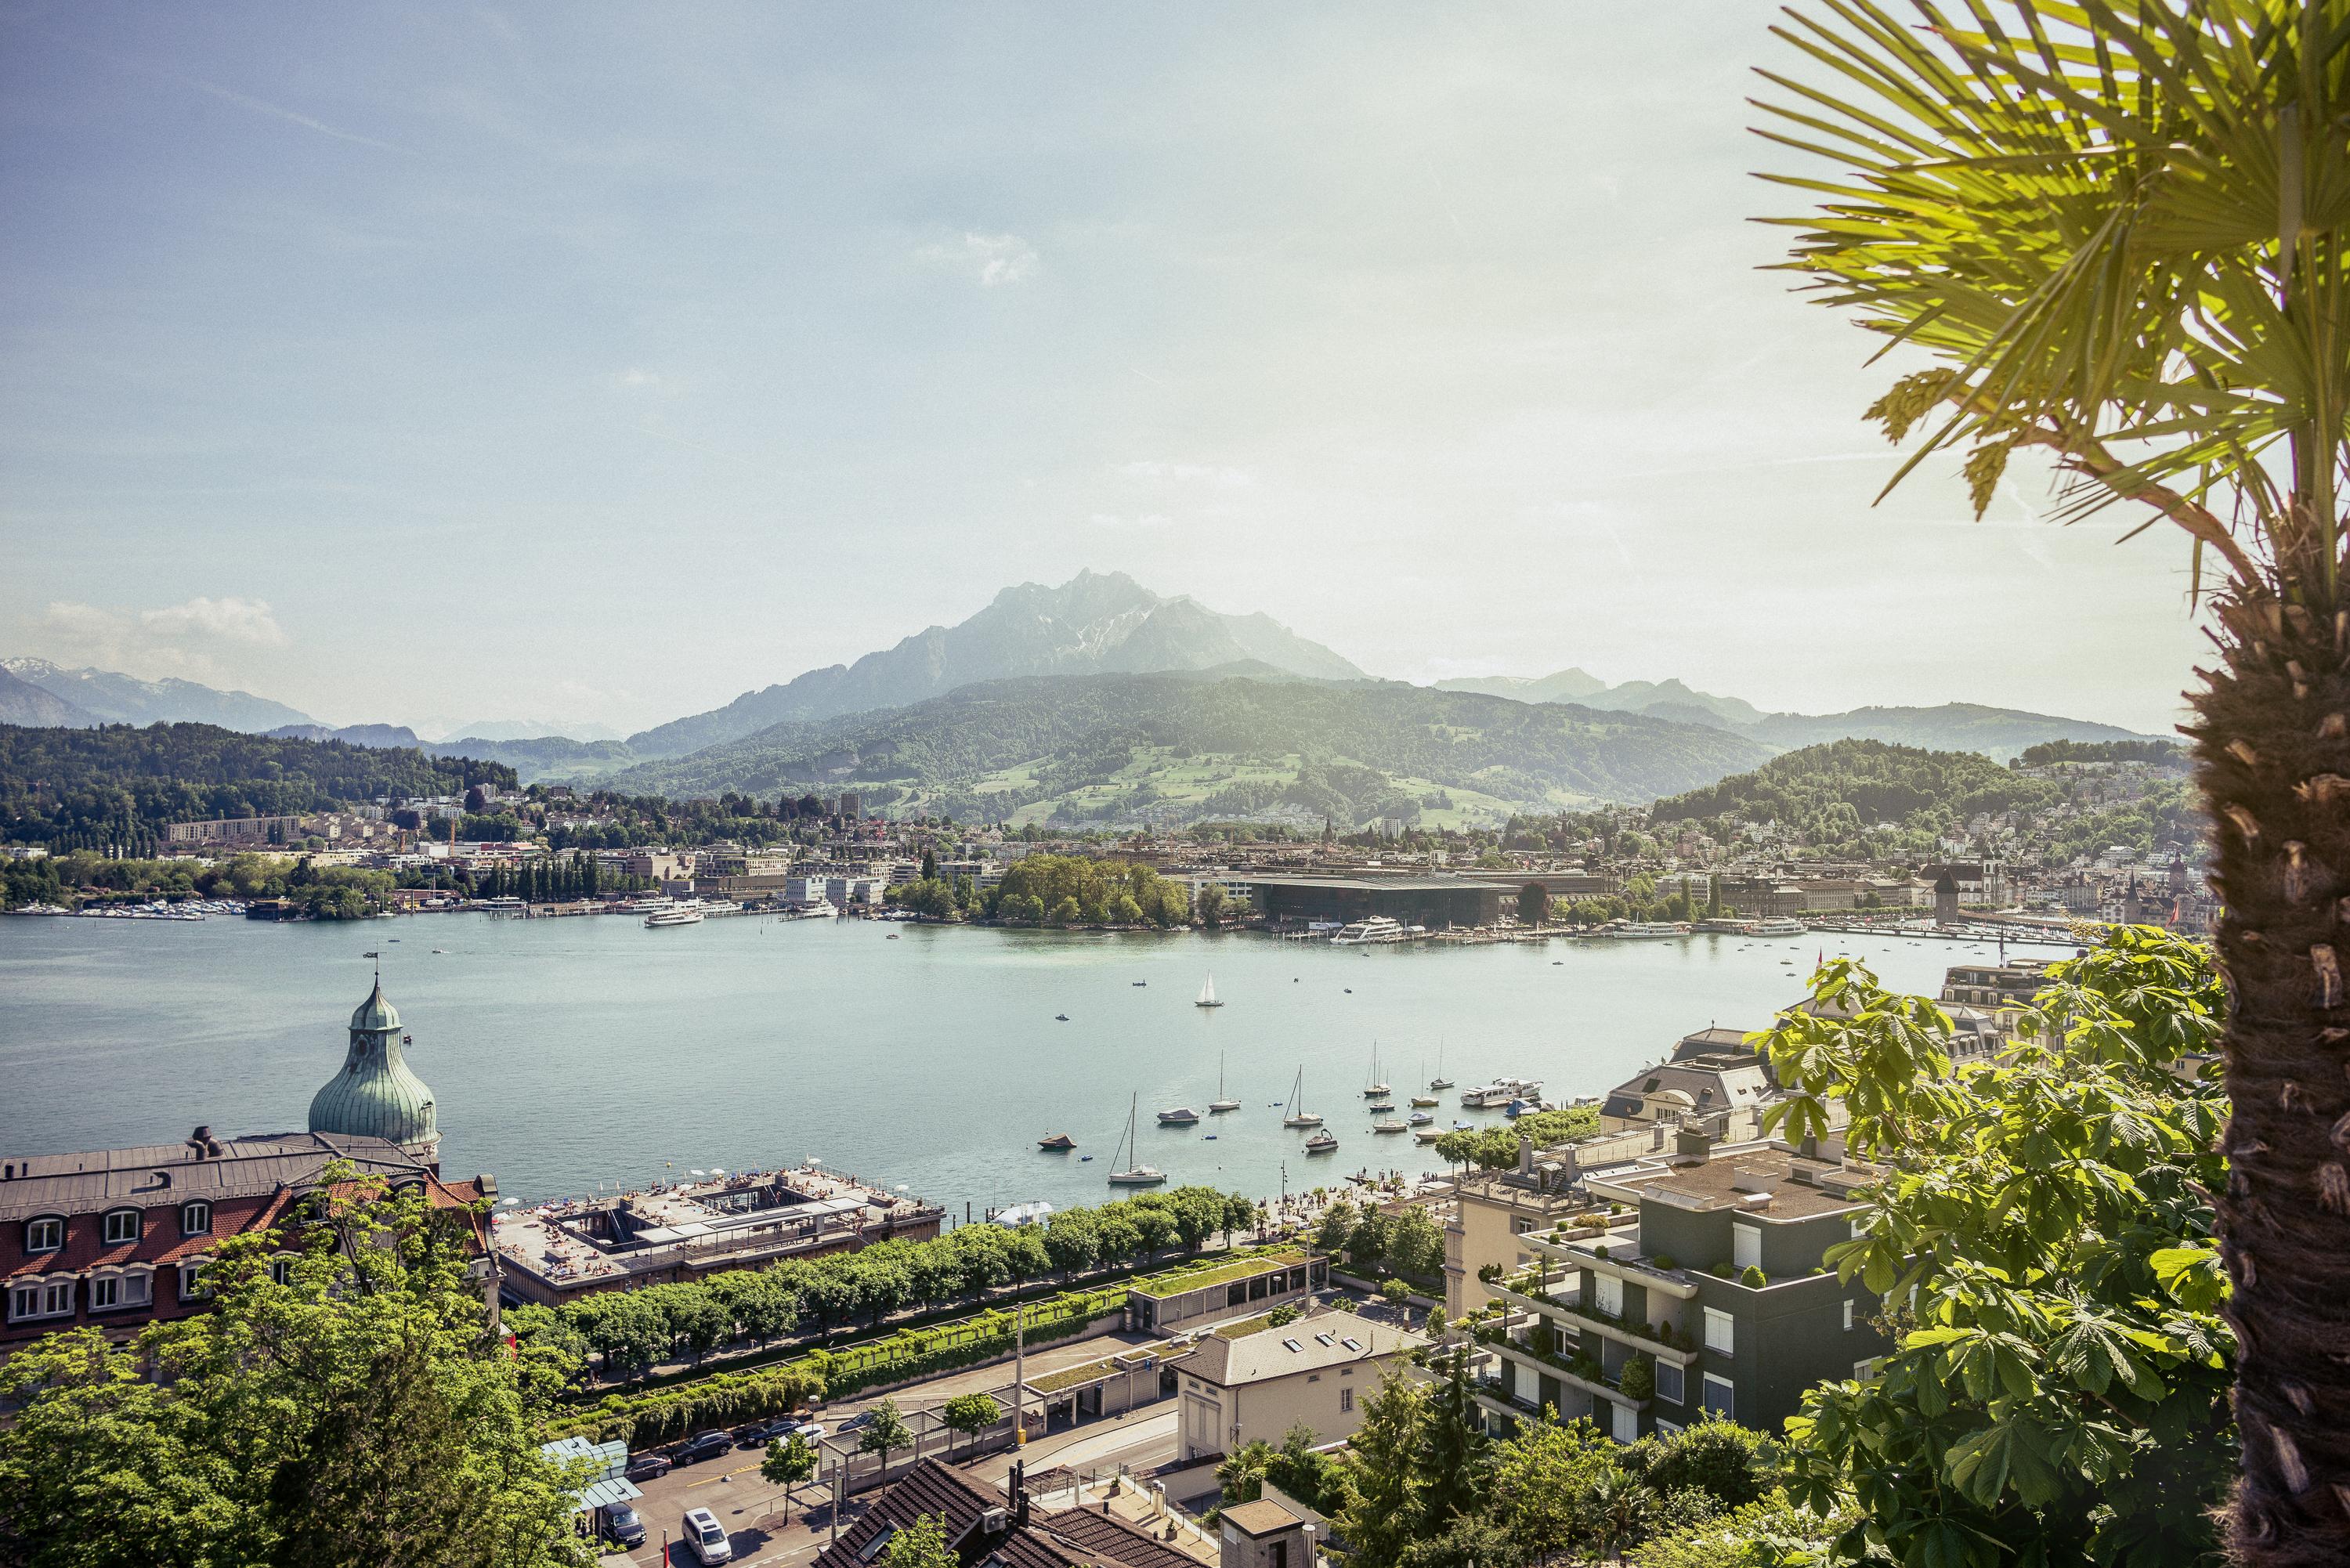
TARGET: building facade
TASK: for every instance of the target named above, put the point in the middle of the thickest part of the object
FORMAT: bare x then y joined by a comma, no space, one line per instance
1253,1382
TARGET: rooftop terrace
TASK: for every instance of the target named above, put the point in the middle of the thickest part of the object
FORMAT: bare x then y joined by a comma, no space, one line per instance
1221,1274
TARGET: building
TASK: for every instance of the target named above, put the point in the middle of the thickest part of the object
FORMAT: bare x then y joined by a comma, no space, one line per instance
560,1252
1435,902
1172,1304
1946,899
1713,1295
1262,1534
377,1095
1709,1072
1251,1381
234,833
117,1238
655,865
998,1529
1995,985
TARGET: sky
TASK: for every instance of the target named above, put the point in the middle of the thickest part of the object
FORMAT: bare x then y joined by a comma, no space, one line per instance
594,364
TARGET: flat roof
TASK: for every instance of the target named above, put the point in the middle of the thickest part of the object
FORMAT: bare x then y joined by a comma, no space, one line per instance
1717,1185
1223,1274
1262,1517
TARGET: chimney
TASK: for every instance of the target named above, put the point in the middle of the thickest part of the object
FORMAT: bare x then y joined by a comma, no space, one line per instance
1691,1144
1525,1154
1019,1493
200,1143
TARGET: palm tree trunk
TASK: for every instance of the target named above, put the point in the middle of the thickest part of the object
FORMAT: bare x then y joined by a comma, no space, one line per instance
2274,764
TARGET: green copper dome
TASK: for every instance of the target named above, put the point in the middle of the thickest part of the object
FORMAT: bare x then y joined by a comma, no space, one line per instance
376,1095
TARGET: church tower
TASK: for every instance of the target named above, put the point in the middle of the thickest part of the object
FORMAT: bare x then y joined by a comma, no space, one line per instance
377,1095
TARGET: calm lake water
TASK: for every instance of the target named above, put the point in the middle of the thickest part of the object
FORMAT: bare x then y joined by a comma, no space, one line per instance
566,1053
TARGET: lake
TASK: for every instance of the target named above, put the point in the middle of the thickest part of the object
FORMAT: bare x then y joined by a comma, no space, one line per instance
565,1052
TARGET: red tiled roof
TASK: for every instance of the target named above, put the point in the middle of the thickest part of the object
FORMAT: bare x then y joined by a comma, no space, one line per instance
1069,1538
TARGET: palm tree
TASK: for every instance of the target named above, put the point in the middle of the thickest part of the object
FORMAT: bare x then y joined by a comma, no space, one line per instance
2121,230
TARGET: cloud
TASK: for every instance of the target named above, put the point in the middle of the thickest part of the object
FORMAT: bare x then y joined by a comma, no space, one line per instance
188,640
993,260
1190,473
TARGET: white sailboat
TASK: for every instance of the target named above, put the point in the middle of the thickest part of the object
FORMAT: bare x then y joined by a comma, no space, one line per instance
1137,1174
1207,996
1219,1102
1297,1115
1440,1080
1377,1090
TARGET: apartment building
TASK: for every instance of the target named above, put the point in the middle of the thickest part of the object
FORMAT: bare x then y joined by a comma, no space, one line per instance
1251,1382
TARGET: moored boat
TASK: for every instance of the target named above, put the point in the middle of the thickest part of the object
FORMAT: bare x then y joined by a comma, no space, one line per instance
1136,1173
1297,1115
1180,1116
1056,1142
1221,1104
1321,1142
1207,996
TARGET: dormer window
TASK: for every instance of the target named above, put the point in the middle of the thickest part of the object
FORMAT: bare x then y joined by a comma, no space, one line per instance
45,1234
196,1218
122,1225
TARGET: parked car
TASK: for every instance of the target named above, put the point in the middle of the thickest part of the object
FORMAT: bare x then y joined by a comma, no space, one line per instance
618,1523
707,1536
645,1467
858,1422
705,1446
759,1433
812,1430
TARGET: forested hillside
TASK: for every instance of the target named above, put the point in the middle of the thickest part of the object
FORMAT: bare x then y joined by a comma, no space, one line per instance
1185,747
118,785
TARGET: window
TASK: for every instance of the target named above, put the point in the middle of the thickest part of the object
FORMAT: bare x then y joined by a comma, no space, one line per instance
192,1285
1720,1396
105,1293
1847,1317
1624,1423
281,1271
1746,1246
1607,1293
1865,1370
1346,1401
45,1234
195,1219
122,1225
1669,1385
1721,1331
41,1298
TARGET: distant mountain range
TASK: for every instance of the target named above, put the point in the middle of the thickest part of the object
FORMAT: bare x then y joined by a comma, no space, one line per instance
382,736
1095,623
22,703
1245,741
109,698
1998,732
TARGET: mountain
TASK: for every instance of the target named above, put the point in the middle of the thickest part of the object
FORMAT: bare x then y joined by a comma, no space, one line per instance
396,736
22,703
117,699
1092,624
529,729
1997,733
1247,742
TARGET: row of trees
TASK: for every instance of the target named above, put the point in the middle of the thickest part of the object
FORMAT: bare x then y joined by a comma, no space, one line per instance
326,892
633,1331
1058,890
1372,1241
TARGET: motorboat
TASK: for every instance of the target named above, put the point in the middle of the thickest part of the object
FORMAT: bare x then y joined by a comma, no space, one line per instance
1420,1118
1207,996
1322,1143
1220,1103
1136,1173
1500,1093
1427,1134
1298,1115
1388,1125
1060,1018
1380,1107
1425,1100
1057,1142
1180,1116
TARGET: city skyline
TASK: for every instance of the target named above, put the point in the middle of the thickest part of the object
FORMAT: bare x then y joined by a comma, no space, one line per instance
420,369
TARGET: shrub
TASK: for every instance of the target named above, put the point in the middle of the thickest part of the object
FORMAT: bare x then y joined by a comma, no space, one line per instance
1639,1379
1753,1278
1662,1260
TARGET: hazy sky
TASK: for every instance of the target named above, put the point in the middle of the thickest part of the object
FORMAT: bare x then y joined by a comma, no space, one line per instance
599,362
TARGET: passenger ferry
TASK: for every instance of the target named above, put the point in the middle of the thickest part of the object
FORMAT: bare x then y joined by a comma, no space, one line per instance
1779,926
671,912
1376,928
1500,1091
1643,930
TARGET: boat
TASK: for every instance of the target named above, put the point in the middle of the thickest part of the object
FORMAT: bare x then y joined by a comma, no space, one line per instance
1380,1107
1642,930
1180,1116
1060,1018
1363,932
1500,1091
1220,1103
1321,1142
1298,1115
1420,1118
1440,1080
1377,1090
1143,982
1388,1125
1779,926
1425,1100
1137,1174
1427,1134
1207,996
685,914
1056,1142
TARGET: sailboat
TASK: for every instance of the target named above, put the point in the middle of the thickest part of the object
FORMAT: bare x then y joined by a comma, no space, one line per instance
1136,1173
1219,1102
1207,996
1377,1090
1298,1115
1440,1080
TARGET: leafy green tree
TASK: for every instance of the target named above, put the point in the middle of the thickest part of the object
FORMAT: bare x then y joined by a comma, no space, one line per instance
1394,1292
360,1414
2060,1388
1367,1243
1338,1225
1072,1240
885,1433
1242,1474
1544,1477
1416,1246
1732,1464
971,1414
1209,903
921,1544
787,1462
1533,904
2117,231
1380,1519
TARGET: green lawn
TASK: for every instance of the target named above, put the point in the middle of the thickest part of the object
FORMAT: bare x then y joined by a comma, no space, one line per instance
1223,1273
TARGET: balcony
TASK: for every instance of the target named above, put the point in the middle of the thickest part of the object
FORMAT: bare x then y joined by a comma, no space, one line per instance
1581,1251
1523,1289
1575,1372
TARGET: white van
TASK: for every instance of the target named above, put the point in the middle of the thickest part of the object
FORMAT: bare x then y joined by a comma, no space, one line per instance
707,1536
